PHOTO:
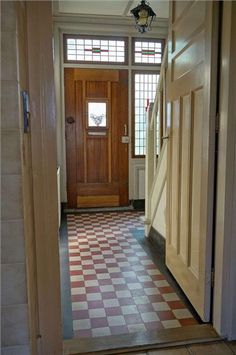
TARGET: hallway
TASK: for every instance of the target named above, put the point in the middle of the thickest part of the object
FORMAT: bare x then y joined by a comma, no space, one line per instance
115,286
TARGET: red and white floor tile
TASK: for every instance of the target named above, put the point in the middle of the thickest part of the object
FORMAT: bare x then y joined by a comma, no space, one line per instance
115,286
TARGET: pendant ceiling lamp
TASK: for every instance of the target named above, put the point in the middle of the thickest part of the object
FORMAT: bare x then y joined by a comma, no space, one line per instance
144,15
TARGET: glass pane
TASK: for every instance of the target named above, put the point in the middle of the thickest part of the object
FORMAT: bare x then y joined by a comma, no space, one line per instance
101,50
97,114
147,52
71,41
145,90
71,57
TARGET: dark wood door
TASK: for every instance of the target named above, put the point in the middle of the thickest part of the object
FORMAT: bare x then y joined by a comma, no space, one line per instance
96,119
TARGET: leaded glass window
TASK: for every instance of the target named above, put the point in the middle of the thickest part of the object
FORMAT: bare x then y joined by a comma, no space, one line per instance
147,51
145,85
95,49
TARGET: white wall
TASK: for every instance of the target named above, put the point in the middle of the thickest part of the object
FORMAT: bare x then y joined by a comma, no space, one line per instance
103,26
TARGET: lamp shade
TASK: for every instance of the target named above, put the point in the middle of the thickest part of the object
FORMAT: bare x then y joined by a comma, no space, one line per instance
144,16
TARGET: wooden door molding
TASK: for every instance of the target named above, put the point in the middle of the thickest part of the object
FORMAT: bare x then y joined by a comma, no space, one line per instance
192,98
97,160
44,179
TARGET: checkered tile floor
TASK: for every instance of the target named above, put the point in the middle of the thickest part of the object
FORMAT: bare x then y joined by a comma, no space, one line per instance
115,287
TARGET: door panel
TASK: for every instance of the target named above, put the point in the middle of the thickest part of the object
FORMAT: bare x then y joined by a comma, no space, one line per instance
97,160
192,97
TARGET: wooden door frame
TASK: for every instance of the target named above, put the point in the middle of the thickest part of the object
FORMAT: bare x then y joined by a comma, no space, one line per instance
44,179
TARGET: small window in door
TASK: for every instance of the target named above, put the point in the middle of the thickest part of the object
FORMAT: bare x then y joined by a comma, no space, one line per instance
97,114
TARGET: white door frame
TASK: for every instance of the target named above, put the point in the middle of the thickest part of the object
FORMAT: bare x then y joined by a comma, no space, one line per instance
224,300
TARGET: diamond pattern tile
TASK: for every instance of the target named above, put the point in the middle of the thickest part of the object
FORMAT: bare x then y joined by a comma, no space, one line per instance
115,286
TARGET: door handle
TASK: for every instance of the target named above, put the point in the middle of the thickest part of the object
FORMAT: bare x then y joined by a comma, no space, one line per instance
125,130
70,120
165,137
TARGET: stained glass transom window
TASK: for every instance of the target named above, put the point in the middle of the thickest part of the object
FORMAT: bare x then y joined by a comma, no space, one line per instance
145,86
147,52
95,50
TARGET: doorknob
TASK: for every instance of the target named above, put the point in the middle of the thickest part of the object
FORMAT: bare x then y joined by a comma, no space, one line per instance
70,120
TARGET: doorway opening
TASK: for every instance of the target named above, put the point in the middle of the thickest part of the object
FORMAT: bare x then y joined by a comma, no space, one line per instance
97,307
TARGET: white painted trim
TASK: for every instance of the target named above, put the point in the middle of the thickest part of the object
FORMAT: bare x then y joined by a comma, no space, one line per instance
224,307
137,170
107,20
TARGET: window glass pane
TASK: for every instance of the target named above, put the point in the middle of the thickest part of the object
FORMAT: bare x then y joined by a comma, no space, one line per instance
97,112
95,50
144,92
147,52
71,57
70,41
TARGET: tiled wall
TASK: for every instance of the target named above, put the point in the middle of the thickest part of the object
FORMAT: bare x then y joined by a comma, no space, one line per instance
14,308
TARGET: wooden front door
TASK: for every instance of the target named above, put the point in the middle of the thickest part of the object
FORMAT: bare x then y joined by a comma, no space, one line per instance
96,119
191,94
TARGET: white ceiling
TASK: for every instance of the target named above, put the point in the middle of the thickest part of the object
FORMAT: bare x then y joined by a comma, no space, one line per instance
109,7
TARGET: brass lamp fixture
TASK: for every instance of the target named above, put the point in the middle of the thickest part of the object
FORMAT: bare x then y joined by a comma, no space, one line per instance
144,15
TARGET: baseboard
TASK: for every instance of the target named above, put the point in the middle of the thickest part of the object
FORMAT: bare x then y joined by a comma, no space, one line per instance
138,204
64,206
158,241
98,209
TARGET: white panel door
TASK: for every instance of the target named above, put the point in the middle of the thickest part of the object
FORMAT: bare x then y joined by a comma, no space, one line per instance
191,100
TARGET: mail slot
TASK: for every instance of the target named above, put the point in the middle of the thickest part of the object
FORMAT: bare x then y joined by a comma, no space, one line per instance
97,133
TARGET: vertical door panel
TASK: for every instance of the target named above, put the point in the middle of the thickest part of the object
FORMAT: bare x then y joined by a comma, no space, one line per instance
97,160
185,178
175,152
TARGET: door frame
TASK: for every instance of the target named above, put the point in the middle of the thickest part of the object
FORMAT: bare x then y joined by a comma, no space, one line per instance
82,25
224,301
44,179
224,318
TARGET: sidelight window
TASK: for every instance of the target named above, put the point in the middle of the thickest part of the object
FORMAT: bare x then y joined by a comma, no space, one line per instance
144,85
